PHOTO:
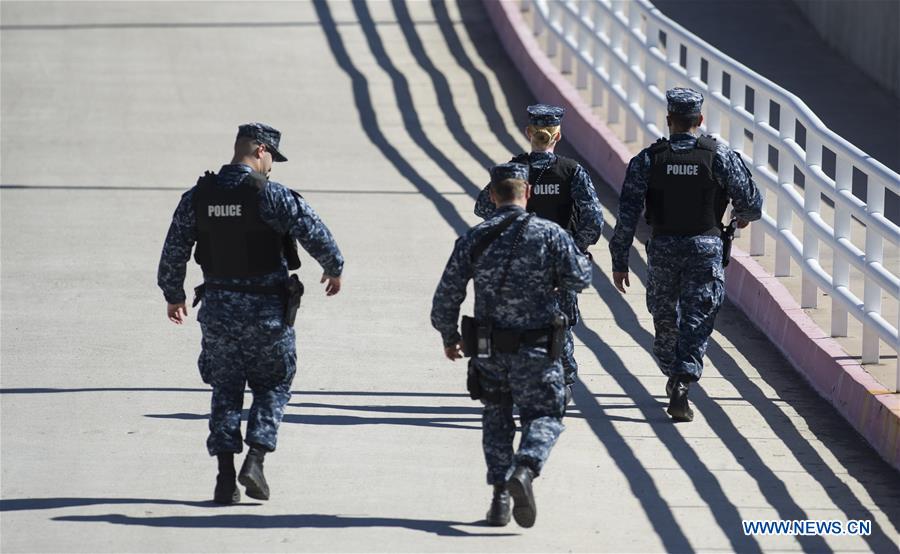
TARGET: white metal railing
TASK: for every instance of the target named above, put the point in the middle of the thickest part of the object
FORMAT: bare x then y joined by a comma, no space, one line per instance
630,53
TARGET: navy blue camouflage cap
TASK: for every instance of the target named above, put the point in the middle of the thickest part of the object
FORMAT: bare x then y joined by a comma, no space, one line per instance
684,101
269,136
510,170
545,115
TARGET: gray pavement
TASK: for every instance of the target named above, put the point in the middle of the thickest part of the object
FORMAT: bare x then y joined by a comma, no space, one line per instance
110,110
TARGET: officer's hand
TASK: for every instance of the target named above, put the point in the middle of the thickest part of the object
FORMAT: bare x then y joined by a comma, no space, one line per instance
334,284
453,352
740,223
177,313
620,277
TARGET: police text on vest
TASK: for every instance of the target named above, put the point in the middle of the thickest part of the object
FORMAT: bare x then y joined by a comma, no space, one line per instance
225,210
550,188
682,169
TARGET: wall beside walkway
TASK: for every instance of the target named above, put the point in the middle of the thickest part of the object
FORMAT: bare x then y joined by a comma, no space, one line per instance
873,411
863,31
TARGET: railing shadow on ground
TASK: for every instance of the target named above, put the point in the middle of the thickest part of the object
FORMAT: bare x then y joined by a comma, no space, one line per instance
473,409
440,84
404,101
345,420
369,121
486,102
517,96
50,390
26,504
290,521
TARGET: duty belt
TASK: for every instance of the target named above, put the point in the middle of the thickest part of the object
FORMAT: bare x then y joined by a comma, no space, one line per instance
713,232
199,291
509,341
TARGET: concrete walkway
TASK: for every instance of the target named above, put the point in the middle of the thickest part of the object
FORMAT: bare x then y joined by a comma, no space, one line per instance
390,114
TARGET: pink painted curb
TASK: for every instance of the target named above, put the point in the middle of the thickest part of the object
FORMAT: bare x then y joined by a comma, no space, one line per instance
872,410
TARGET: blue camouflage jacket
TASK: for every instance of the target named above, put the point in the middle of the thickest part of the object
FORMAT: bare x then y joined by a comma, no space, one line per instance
588,216
728,170
545,259
278,208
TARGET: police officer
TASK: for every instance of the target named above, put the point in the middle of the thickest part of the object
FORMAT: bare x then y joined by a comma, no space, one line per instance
686,183
245,226
561,191
517,262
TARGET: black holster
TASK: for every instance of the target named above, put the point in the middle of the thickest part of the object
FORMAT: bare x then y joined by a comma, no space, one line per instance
292,302
558,336
199,291
727,239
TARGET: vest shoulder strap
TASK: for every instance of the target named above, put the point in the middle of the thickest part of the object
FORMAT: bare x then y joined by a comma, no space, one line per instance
659,146
207,179
566,165
490,237
255,179
706,142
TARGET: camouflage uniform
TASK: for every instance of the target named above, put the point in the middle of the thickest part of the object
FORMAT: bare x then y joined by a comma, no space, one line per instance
685,277
546,258
585,227
245,339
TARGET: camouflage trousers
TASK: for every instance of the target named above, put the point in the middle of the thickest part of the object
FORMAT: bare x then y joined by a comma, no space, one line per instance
685,289
534,384
235,354
568,301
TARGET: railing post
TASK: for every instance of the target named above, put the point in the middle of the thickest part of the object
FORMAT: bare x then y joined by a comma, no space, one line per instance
840,272
631,120
583,7
874,254
600,17
693,65
735,122
615,76
897,371
811,204
713,112
567,22
552,40
785,214
597,86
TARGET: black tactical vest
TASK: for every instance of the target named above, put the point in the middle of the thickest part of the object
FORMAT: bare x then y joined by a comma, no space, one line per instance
551,189
232,239
683,199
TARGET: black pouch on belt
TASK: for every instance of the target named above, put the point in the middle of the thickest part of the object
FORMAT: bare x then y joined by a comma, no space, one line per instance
292,304
558,340
473,382
469,332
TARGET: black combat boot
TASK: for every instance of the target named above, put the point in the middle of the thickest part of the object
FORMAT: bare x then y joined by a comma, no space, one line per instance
226,488
519,486
252,476
679,408
498,515
670,385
